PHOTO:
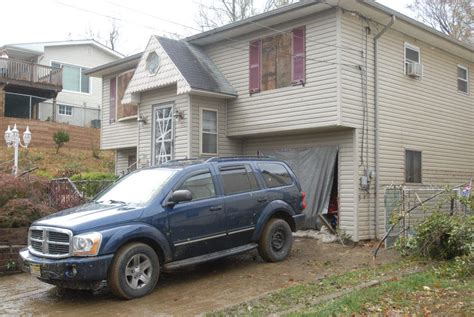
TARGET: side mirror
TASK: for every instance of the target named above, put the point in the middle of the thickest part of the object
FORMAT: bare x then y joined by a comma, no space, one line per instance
181,195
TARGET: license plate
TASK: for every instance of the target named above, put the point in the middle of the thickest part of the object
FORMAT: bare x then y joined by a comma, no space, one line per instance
35,270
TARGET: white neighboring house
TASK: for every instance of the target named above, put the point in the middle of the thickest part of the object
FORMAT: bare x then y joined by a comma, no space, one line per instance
79,102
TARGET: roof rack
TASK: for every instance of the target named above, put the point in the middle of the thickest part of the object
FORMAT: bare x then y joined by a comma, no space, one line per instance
184,161
238,157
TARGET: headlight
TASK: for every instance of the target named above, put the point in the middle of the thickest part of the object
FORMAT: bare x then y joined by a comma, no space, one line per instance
87,244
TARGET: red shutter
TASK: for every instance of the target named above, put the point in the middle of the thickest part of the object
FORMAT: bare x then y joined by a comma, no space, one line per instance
113,99
254,66
298,72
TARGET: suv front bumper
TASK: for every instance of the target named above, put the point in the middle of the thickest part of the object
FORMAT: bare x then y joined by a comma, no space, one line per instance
73,269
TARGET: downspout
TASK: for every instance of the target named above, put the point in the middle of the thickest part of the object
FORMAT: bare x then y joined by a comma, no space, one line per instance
376,119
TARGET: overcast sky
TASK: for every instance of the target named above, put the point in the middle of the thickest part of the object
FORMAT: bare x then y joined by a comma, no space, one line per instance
55,20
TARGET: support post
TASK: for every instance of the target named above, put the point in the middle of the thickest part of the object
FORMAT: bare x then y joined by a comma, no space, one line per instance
2,101
53,117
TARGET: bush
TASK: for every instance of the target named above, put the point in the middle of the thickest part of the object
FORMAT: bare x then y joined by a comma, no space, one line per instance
90,184
441,237
22,200
60,137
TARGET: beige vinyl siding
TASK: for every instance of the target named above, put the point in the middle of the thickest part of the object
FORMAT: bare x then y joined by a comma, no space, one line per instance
158,97
115,135
345,139
225,145
358,50
289,108
121,160
426,114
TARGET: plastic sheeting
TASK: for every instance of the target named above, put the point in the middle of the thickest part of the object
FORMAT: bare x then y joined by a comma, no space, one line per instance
314,167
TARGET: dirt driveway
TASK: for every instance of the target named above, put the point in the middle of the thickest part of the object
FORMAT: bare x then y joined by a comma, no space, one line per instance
195,290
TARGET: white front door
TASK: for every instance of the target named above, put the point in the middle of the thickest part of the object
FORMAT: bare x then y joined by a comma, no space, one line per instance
162,134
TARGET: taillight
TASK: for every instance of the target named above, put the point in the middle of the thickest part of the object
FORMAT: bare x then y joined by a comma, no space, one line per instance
304,204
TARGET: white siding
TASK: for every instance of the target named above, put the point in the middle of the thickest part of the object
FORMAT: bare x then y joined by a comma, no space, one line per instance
347,166
426,114
118,134
289,108
161,97
121,160
226,146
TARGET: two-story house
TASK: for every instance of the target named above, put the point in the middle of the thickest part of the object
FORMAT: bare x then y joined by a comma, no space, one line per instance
37,77
354,95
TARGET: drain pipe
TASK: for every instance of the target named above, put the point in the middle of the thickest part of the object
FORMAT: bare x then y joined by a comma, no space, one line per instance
376,118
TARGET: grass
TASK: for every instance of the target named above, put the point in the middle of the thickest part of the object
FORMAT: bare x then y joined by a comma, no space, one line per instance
419,293
66,162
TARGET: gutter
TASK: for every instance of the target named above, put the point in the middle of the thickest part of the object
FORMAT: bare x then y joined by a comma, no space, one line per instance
376,118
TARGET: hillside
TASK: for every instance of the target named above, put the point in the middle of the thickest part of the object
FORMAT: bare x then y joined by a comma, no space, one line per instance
66,163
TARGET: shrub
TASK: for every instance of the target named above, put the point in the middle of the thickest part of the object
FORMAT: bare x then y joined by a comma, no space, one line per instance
60,137
441,237
90,184
22,212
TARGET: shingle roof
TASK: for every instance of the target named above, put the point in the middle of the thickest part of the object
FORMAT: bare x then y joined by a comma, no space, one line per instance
196,67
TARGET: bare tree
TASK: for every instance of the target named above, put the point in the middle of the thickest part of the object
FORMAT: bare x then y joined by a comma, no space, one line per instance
112,34
219,12
452,17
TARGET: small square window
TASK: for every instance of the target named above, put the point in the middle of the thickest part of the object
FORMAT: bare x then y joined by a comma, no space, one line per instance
463,79
412,166
412,57
65,110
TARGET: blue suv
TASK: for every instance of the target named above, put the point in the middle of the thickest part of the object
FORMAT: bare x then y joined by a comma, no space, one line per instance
180,213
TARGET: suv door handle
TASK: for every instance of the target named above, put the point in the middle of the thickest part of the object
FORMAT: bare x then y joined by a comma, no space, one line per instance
216,208
261,200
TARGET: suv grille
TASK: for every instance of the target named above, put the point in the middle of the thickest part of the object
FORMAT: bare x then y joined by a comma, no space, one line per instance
50,242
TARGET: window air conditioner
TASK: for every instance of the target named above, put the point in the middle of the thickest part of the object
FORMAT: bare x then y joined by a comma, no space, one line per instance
414,69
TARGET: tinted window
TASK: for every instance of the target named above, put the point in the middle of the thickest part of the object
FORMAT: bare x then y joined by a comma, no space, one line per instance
275,175
201,186
412,166
237,179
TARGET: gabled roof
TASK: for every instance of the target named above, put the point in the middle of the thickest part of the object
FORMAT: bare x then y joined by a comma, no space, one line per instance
196,67
38,47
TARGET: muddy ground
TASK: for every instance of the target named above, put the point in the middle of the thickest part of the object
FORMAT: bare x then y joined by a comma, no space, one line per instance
194,290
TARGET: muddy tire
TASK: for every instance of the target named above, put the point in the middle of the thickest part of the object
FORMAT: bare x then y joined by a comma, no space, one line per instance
134,271
276,241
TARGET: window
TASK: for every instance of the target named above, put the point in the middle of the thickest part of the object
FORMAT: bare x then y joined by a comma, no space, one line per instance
74,78
238,179
412,166
201,186
208,131
118,86
153,63
65,110
275,175
277,61
463,79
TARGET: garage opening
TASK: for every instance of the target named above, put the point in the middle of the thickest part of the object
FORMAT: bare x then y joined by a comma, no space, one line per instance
317,170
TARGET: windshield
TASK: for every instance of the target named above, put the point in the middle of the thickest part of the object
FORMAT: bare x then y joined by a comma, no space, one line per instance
137,188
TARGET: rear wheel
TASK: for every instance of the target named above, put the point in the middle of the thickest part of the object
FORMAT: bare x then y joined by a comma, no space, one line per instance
276,241
134,271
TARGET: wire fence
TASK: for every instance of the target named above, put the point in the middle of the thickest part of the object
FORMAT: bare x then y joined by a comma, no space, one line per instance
398,200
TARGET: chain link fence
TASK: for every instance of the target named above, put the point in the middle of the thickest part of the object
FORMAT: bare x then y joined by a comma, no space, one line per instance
399,200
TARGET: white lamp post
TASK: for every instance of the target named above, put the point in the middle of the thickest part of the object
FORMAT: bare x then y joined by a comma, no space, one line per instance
12,138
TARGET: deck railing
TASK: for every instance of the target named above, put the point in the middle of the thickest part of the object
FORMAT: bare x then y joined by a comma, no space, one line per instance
17,70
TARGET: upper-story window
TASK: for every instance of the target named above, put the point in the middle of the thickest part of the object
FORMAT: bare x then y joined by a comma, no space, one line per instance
463,79
74,78
117,110
209,131
277,61
412,166
413,67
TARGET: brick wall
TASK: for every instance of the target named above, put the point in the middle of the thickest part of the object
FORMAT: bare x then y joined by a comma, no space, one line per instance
11,242
43,131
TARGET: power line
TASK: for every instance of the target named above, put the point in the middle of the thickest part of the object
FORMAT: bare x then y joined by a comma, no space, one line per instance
222,37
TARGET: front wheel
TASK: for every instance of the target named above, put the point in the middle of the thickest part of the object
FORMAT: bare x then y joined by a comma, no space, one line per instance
276,241
134,271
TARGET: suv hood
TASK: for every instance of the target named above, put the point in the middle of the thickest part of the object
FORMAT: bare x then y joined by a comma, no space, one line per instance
90,216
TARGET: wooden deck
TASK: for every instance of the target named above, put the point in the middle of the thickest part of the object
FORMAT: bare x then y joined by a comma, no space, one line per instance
22,73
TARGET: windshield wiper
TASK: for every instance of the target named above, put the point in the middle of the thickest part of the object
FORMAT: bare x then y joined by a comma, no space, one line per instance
113,201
